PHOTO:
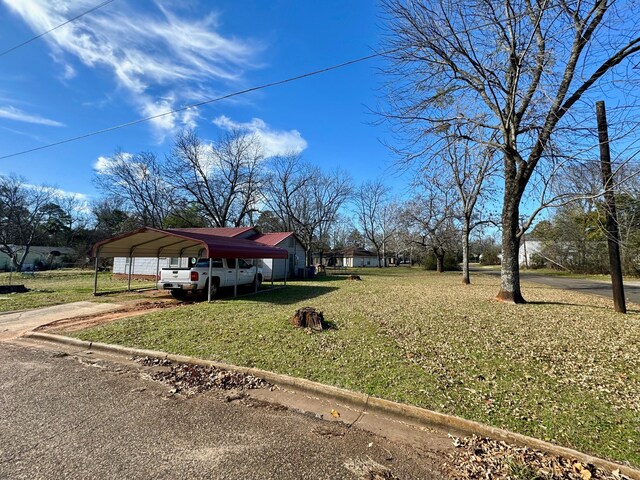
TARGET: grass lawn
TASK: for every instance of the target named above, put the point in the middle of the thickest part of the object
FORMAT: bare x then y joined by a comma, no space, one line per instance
61,286
563,368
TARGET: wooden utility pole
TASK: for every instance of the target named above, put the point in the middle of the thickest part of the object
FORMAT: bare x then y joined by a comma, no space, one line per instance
613,237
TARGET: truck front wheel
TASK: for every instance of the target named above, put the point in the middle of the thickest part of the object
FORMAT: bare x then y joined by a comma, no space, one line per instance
257,281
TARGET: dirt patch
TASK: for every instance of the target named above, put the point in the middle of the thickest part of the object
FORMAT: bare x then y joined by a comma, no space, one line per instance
132,309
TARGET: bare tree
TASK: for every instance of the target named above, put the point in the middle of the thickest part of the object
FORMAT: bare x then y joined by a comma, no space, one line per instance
430,218
518,68
223,178
137,180
306,200
23,208
375,216
468,164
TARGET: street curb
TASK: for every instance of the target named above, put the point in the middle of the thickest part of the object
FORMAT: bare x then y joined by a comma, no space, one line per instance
429,418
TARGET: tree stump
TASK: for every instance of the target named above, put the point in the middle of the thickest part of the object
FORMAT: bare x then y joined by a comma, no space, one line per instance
307,317
354,277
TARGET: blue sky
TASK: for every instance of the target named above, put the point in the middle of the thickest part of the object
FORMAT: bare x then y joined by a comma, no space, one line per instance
132,59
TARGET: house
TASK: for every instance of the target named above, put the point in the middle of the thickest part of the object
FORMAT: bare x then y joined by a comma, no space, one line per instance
347,257
272,268
529,253
39,257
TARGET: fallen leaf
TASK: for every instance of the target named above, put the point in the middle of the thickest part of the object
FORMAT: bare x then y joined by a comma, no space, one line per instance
335,413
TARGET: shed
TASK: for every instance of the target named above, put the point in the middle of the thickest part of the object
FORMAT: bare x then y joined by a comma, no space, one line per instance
280,269
153,242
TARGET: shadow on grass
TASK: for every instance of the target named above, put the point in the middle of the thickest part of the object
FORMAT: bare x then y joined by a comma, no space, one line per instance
124,290
285,295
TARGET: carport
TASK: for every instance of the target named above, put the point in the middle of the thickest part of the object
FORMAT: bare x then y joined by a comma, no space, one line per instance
154,242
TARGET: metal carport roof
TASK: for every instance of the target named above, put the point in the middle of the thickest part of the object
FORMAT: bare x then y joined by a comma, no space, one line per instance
155,242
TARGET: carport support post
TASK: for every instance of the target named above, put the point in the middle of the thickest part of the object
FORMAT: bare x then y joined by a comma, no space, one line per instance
157,270
95,274
255,280
129,277
209,289
235,285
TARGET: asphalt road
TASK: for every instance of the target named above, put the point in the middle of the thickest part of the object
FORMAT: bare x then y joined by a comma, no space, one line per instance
66,416
593,287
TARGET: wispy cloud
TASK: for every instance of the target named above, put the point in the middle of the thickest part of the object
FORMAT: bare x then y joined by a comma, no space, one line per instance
18,115
152,54
274,142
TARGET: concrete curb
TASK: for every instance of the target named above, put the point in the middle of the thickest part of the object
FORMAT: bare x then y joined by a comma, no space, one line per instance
429,418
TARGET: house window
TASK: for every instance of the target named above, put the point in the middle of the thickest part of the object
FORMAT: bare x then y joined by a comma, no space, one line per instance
174,262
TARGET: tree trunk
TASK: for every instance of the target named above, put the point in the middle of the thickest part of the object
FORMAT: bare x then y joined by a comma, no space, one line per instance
439,262
466,279
510,267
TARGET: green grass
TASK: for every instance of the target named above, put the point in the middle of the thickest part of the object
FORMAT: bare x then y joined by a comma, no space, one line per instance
61,286
563,368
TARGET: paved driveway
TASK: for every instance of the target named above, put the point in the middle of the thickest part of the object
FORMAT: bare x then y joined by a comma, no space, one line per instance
67,416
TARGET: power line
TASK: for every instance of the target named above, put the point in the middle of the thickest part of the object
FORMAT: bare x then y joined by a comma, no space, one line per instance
199,104
107,2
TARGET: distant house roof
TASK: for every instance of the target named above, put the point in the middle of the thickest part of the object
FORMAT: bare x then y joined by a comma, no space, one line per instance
355,252
195,242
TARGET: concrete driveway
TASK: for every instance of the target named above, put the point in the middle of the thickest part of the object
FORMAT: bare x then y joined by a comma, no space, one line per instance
14,324
78,416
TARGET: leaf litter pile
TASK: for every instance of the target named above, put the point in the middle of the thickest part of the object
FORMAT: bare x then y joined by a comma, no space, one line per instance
477,457
189,380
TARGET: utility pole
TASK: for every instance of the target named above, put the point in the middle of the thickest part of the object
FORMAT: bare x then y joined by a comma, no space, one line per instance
613,237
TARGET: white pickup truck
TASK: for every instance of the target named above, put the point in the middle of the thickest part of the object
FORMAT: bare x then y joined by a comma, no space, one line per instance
196,279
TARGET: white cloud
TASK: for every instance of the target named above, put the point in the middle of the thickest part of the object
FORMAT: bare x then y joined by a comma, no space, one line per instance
274,142
149,53
103,164
13,113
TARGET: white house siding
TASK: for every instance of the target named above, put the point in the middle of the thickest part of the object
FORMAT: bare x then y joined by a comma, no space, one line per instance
528,249
359,262
296,261
145,265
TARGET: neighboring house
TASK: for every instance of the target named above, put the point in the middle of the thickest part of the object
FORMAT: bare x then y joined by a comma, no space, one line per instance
348,257
529,253
38,256
143,266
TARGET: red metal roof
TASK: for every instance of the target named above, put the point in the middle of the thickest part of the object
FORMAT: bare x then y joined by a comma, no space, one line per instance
271,239
154,242
220,231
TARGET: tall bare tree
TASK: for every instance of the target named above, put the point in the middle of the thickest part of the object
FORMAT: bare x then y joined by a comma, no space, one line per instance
306,199
137,180
469,165
222,178
23,209
519,68
430,217
375,215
